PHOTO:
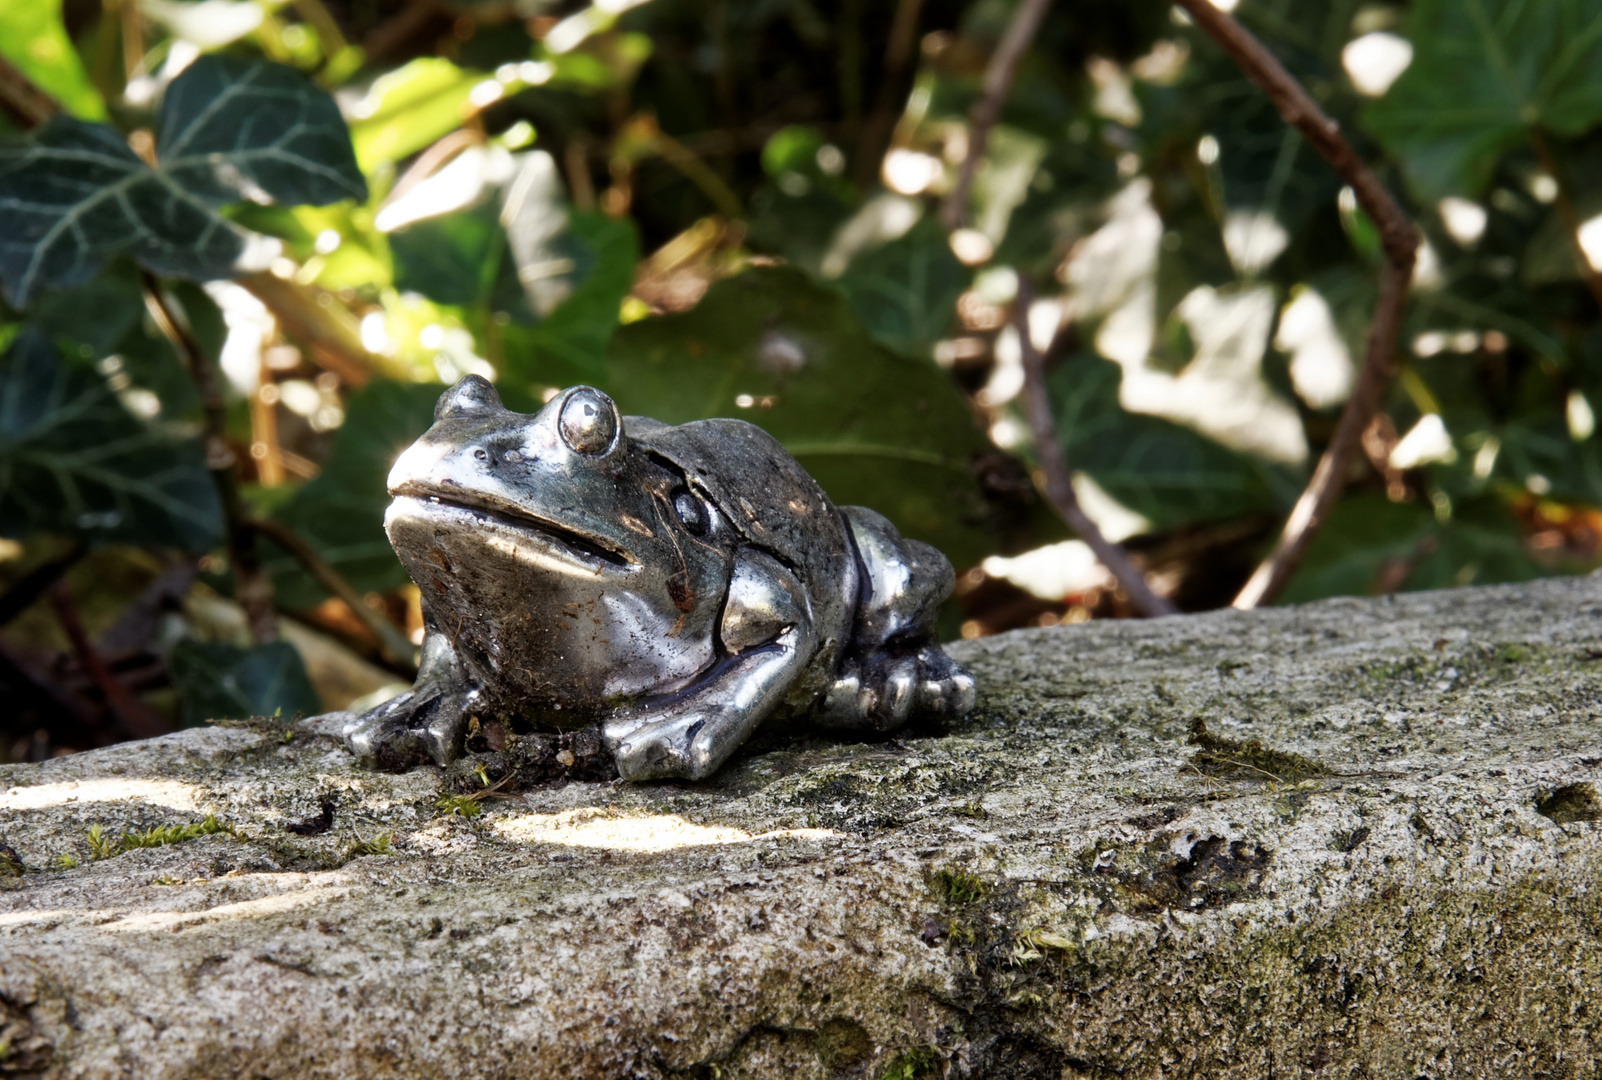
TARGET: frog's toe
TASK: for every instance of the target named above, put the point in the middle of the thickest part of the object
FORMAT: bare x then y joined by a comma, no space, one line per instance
407,730
686,747
386,743
652,752
898,693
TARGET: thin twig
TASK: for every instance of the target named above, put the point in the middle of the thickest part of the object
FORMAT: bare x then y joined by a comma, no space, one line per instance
998,81
401,27
1566,212
17,599
397,650
21,100
699,173
129,711
252,588
898,50
1059,488
1398,240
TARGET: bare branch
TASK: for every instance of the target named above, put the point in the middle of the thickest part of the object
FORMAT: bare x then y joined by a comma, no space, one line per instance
998,82
397,650
1059,489
21,100
252,588
138,720
1398,240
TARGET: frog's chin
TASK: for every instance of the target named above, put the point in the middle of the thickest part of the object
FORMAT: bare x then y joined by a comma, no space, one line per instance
459,510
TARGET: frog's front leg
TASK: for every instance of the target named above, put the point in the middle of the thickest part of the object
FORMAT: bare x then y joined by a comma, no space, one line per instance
768,637
426,723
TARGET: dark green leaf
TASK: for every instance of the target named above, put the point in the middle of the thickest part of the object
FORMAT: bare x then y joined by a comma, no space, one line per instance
225,682
1484,74
341,512
906,292
1369,544
74,195
874,427
73,460
1168,474
233,128
451,259
595,255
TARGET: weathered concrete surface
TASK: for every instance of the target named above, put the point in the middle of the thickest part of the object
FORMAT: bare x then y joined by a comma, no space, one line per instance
1057,888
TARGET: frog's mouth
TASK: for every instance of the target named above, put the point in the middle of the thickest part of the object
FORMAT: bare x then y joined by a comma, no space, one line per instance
585,547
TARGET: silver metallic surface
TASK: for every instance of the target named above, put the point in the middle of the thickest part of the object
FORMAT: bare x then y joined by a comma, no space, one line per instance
674,585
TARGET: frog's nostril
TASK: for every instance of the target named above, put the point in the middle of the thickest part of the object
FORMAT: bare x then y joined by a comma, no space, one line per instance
482,455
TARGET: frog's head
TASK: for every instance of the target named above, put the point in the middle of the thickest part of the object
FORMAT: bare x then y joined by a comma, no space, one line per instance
511,523
569,473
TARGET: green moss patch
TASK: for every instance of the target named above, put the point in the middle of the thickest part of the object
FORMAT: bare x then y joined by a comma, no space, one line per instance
1231,759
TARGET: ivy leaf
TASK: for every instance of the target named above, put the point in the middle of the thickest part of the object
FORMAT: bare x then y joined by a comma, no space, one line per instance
74,195
906,292
1370,544
1484,74
225,682
234,128
74,460
1167,473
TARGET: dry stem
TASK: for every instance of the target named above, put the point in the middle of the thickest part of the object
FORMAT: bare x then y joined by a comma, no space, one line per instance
397,650
252,588
1059,489
998,81
1399,241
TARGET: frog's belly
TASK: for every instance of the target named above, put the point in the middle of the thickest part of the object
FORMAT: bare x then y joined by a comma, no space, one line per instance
543,628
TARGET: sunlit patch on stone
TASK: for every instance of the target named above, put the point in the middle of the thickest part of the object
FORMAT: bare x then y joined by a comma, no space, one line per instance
173,794
591,828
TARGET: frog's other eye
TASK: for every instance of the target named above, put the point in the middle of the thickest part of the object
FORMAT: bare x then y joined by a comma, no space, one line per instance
692,513
589,422
471,396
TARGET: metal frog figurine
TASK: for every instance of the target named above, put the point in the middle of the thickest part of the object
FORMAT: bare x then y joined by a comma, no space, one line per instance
675,585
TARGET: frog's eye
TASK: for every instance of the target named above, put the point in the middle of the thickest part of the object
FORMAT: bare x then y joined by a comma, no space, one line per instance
692,513
589,421
471,396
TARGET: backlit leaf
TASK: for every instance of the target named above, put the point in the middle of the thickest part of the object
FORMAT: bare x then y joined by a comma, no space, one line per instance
33,38
73,194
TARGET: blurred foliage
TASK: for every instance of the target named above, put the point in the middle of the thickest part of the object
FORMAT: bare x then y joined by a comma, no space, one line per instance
730,208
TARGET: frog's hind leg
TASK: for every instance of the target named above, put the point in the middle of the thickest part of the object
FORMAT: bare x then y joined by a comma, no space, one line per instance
895,668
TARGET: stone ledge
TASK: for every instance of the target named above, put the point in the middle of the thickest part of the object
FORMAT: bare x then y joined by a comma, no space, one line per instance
1376,856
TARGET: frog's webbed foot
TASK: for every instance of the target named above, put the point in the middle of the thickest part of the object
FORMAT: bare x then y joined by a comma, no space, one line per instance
424,724
894,669
882,691
768,633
